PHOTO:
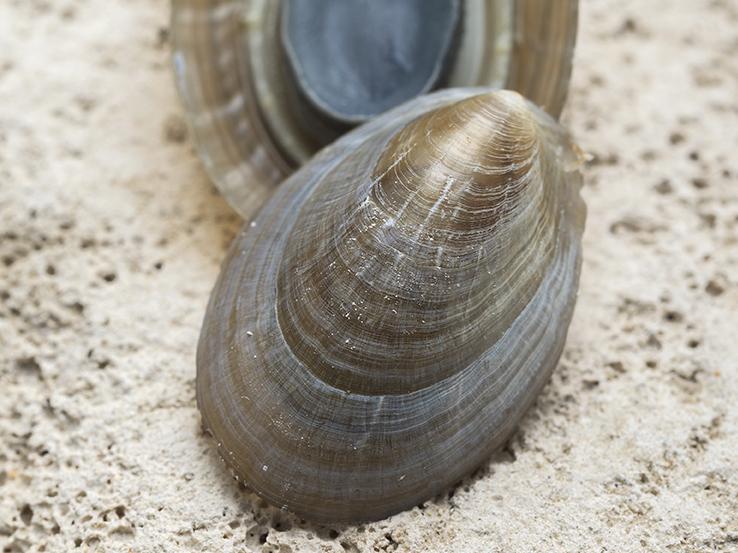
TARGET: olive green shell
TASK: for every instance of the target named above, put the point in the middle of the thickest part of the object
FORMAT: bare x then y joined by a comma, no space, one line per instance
383,324
230,76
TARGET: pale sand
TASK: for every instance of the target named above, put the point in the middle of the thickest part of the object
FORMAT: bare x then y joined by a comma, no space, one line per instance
111,237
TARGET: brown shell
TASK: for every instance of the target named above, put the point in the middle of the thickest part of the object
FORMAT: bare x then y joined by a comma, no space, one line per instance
382,325
242,115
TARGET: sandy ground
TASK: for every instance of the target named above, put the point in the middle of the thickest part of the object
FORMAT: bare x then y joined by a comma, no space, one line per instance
111,237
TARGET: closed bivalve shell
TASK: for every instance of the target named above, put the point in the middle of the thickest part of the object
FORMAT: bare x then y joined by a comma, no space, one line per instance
383,324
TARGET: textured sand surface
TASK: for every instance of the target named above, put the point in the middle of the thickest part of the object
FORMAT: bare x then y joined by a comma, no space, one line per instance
111,237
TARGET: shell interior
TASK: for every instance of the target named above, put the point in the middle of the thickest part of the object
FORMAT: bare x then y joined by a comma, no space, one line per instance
351,59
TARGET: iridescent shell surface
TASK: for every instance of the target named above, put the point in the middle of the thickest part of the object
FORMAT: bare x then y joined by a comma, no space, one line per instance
231,77
382,325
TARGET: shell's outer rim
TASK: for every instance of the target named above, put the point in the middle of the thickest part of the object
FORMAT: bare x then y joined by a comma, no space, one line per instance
238,155
217,404
221,111
541,66
474,62
264,49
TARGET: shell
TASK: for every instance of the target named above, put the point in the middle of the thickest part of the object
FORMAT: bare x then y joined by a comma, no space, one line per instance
252,130
383,324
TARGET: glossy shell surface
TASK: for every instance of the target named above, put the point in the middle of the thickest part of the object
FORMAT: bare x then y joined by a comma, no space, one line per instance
231,77
383,324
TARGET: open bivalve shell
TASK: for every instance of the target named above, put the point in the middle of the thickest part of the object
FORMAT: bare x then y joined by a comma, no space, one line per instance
267,83
383,324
